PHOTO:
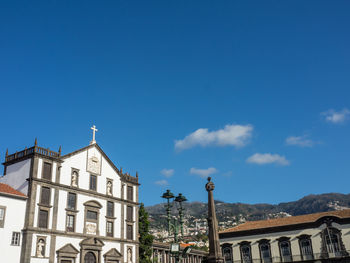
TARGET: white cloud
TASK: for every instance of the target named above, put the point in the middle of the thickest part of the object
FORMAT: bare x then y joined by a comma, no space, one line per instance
162,182
233,135
204,173
227,174
267,158
336,117
301,141
167,172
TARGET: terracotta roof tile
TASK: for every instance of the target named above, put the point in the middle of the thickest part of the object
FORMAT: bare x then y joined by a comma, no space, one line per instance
291,220
5,188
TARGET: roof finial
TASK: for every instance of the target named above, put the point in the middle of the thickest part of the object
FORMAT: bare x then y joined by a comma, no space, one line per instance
36,142
94,130
7,152
137,174
60,150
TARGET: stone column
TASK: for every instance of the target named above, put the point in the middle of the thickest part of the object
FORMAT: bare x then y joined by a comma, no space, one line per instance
215,255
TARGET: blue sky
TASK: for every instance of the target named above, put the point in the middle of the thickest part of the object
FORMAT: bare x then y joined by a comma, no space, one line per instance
254,93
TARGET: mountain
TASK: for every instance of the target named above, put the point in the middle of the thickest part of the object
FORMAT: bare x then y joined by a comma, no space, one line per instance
229,214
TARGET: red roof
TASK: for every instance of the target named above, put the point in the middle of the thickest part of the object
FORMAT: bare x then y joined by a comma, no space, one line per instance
5,188
291,220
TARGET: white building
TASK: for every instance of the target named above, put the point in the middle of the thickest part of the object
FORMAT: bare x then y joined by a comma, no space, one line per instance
321,237
12,212
80,208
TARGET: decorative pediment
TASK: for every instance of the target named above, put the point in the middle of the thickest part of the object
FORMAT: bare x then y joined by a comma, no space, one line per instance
93,203
112,254
92,241
68,249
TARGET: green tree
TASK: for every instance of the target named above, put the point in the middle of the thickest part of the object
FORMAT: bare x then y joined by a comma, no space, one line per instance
145,238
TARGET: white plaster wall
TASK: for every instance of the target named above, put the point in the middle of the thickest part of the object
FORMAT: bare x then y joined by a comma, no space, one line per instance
79,161
16,175
14,222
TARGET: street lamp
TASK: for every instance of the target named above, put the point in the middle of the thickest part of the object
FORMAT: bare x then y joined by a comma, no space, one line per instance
173,227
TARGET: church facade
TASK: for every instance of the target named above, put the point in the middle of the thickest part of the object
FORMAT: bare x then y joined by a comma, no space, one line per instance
80,208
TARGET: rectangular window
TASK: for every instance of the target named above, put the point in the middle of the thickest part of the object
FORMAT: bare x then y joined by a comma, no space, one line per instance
110,209
15,238
129,213
2,216
109,228
43,218
47,171
91,215
93,182
129,232
130,193
45,196
71,203
70,223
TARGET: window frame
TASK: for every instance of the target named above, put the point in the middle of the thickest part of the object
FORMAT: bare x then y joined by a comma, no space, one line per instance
2,221
285,258
43,170
92,206
15,242
127,232
130,193
41,196
265,242
243,245
110,213
75,201
305,256
129,215
111,233
47,219
90,182
69,228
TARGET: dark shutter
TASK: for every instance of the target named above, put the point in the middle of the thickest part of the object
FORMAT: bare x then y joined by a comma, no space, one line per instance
71,200
91,215
129,213
129,234
110,209
93,182
130,193
45,195
47,171
43,216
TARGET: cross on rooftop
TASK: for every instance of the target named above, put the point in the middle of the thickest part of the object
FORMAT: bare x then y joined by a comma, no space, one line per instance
94,130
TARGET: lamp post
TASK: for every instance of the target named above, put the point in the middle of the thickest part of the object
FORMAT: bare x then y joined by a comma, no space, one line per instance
177,225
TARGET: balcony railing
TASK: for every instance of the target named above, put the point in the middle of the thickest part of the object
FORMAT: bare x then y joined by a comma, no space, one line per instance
31,150
297,258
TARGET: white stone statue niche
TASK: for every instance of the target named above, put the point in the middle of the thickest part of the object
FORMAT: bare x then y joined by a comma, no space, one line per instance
40,248
109,188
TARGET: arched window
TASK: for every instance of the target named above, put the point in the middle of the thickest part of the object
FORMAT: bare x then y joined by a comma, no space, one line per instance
89,258
332,240
265,251
246,253
285,250
227,253
305,247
